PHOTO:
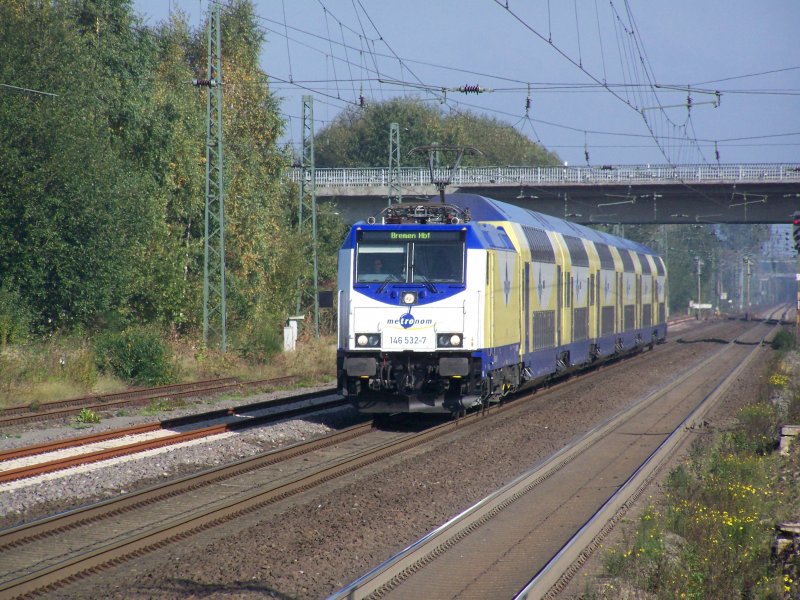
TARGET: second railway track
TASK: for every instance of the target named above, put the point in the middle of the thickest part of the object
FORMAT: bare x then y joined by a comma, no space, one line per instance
17,415
174,431
542,523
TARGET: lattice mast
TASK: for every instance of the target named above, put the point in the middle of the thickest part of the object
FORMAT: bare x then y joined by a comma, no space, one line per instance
395,191
214,308
307,214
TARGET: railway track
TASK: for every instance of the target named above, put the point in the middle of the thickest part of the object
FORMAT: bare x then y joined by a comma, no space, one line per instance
225,420
548,521
17,415
46,553
235,418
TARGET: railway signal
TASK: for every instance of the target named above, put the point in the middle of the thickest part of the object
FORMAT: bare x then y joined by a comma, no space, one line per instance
796,229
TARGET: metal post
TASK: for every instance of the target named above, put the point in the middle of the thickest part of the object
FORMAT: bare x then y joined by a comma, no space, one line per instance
395,191
699,271
740,283
747,261
214,309
307,212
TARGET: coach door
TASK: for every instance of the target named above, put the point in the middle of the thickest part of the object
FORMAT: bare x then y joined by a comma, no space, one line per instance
491,261
639,301
526,305
620,302
559,304
596,291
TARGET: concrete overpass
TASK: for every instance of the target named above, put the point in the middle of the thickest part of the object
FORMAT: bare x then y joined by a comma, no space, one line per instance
744,193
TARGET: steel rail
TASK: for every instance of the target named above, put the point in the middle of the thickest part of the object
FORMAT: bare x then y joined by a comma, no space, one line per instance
556,574
72,531
392,572
76,566
176,438
130,393
80,521
63,408
190,522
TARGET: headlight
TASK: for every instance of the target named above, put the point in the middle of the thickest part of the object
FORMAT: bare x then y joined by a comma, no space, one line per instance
408,298
368,340
449,340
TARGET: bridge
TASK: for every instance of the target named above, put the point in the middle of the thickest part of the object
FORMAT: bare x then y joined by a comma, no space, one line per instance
625,194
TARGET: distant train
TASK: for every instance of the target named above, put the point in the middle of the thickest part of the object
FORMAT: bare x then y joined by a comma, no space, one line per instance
444,306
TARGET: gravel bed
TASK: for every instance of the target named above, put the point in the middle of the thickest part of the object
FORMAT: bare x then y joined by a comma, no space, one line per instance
40,432
313,544
52,493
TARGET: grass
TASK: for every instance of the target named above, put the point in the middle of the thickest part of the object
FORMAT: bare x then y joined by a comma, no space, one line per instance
50,369
64,367
159,405
711,534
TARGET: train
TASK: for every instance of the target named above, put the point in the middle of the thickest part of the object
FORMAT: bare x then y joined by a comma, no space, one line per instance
449,304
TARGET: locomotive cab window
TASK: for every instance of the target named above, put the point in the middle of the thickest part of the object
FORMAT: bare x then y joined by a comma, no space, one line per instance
379,263
410,257
439,262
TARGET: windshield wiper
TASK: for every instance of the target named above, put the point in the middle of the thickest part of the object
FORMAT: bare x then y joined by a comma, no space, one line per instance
428,284
385,283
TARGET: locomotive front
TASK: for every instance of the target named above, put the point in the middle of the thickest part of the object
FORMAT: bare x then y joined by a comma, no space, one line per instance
404,293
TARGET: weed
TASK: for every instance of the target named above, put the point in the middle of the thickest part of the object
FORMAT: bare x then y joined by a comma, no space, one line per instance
793,408
261,341
80,368
87,416
159,405
784,341
757,429
711,538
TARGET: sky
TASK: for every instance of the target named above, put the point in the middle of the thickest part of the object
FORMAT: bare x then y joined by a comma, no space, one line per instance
598,82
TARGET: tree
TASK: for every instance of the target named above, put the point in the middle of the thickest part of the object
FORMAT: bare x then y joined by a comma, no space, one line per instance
102,186
65,184
360,137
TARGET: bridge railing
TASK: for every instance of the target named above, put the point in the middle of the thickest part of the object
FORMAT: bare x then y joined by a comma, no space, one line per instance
606,174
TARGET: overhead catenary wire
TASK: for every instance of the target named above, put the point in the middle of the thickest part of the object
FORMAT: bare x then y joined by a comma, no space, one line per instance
633,67
638,83
26,90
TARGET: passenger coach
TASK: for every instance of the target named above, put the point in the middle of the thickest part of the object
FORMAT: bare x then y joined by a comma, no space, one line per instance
446,306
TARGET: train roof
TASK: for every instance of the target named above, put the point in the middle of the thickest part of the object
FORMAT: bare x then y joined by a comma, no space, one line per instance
488,209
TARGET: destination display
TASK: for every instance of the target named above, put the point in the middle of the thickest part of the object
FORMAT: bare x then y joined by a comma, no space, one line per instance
383,236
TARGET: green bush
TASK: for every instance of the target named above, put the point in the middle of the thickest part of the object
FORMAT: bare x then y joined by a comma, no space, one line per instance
784,341
260,342
79,367
14,317
137,355
757,429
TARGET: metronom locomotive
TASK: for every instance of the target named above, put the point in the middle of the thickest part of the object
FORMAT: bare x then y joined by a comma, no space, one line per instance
444,306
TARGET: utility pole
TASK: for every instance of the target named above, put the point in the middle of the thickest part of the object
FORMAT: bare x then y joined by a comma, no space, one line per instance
214,309
395,191
699,271
307,211
747,261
